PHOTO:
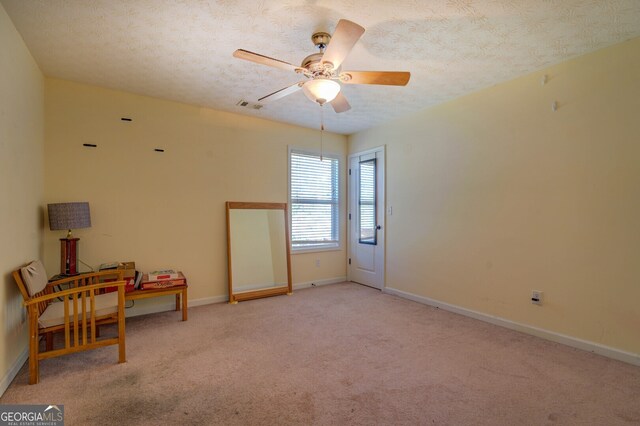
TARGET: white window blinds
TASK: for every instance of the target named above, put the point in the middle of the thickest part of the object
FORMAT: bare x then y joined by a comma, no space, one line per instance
314,201
367,202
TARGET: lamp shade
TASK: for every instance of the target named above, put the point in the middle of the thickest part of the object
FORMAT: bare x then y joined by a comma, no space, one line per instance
69,216
321,90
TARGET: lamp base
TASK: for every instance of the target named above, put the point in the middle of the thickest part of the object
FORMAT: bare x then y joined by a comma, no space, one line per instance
69,256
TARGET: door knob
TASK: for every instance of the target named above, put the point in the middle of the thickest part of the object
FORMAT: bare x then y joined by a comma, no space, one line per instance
379,227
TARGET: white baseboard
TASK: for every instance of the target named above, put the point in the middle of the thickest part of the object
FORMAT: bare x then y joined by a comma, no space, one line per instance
300,286
13,371
208,300
586,345
139,309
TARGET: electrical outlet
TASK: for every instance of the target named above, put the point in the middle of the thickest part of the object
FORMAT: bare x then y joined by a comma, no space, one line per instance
536,297
317,263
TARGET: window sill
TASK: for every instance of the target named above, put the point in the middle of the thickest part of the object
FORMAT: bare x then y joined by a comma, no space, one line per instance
295,251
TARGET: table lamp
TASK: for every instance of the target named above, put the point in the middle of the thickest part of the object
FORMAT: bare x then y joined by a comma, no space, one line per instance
69,216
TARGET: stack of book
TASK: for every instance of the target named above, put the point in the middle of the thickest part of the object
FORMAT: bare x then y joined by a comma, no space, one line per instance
162,279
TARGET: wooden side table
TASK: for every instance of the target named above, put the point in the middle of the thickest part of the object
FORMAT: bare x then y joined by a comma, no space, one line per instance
178,290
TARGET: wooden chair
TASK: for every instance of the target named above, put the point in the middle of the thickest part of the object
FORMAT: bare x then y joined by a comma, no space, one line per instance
77,311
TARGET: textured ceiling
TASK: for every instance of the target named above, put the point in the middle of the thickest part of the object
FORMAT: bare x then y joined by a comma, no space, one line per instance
182,49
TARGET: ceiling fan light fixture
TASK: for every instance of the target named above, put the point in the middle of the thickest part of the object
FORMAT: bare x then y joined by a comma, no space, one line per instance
321,90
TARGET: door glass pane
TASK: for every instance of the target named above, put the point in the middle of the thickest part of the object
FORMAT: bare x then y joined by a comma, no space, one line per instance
367,202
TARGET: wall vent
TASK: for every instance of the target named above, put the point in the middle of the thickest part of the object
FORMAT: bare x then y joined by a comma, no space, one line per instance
247,104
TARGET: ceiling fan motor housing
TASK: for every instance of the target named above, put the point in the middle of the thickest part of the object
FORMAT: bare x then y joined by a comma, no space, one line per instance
314,64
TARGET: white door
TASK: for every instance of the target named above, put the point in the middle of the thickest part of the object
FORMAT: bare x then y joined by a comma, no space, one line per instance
366,218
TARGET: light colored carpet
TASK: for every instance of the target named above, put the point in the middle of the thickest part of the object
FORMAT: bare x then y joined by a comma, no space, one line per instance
338,354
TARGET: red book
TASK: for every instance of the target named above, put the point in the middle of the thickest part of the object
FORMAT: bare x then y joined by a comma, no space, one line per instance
163,277
166,274
156,283
163,284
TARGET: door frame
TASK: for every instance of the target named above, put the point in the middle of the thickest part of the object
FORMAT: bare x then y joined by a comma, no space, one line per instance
382,149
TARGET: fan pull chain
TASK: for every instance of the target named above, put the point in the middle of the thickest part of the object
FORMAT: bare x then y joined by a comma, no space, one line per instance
321,128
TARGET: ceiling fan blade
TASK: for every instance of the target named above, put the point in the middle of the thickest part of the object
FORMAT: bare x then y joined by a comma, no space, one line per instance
263,60
345,36
282,92
340,103
388,78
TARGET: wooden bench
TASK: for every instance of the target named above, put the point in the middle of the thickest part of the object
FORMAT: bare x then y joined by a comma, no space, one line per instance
179,290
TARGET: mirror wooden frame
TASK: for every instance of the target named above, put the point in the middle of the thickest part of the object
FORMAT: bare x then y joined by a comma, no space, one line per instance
267,292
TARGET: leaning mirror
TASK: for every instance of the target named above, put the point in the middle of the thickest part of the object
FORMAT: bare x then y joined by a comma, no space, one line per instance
257,250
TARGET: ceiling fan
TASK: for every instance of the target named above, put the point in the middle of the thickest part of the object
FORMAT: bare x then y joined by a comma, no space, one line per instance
322,69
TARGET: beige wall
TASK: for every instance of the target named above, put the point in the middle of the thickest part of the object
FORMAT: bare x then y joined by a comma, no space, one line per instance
167,209
495,195
21,182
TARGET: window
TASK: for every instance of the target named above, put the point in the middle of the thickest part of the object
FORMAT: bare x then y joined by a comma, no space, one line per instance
315,210
367,202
